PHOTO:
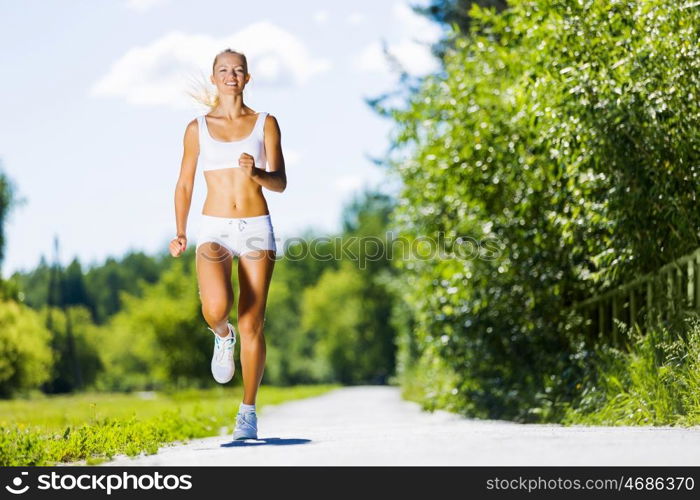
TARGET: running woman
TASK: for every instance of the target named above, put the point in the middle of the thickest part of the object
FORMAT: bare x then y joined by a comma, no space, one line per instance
232,144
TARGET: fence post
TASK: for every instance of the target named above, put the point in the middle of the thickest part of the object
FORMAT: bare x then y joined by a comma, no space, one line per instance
633,308
615,316
696,264
669,294
690,273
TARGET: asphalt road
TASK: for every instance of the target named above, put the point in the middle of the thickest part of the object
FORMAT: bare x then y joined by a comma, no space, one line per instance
372,425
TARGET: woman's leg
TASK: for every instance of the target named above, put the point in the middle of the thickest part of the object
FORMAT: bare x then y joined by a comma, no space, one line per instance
213,264
254,275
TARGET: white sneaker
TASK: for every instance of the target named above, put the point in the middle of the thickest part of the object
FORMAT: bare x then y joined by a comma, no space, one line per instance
246,426
222,365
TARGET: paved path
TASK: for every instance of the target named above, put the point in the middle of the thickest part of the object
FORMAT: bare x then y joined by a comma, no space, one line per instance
372,425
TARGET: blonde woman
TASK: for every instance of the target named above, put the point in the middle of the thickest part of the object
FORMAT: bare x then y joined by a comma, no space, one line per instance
231,144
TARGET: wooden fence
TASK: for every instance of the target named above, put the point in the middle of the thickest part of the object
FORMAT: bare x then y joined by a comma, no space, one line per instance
667,291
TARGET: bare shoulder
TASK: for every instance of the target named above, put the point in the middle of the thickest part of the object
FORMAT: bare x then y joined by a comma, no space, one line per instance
191,139
271,123
192,126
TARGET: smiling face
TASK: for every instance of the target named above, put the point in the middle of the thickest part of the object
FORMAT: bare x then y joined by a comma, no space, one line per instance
230,74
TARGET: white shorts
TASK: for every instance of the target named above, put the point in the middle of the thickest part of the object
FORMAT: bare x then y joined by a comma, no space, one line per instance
239,235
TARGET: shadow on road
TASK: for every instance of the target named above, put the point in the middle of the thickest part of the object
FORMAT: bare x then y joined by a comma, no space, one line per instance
265,441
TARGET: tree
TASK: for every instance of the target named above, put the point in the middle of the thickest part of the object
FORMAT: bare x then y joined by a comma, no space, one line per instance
557,154
25,356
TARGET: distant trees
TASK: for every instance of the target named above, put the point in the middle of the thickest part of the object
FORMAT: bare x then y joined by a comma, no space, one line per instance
135,322
26,358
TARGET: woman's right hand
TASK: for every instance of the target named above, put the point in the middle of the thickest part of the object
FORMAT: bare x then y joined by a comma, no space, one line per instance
178,245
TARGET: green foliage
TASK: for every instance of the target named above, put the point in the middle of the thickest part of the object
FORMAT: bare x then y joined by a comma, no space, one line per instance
97,288
453,13
290,350
75,347
655,382
95,427
105,283
328,302
563,138
33,286
25,356
367,214
73,289
353,344
158,339
8,200
155,337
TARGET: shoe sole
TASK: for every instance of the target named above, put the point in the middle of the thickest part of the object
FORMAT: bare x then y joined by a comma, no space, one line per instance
223,381
233,332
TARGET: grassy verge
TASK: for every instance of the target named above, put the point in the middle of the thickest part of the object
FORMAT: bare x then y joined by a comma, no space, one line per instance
95,427
656,383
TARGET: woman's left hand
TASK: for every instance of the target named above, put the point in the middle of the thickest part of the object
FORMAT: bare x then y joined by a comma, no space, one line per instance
247,163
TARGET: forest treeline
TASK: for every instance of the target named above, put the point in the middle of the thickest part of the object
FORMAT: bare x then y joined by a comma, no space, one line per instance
135,323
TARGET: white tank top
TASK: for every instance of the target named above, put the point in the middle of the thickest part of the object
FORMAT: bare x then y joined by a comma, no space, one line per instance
215,154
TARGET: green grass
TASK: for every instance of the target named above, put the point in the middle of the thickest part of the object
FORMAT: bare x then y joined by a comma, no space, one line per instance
657,382
93,427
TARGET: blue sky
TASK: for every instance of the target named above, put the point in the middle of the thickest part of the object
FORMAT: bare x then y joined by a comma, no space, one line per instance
94,110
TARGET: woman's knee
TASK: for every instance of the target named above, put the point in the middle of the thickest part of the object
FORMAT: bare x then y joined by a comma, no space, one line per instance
251,326
215,310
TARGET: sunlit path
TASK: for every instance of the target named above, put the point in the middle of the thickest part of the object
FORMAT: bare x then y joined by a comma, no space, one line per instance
373,426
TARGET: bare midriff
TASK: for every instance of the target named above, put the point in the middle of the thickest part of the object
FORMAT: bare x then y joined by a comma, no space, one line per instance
232,193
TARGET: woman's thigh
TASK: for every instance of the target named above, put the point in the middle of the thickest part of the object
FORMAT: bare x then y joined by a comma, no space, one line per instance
254,276
214,263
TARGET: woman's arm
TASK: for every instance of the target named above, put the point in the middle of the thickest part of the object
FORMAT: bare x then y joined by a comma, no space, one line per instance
275,178
185,182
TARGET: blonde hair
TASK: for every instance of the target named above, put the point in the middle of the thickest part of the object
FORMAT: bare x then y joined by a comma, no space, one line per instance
201,90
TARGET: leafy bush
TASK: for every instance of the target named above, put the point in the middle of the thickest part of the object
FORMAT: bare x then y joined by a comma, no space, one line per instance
25,354
562,138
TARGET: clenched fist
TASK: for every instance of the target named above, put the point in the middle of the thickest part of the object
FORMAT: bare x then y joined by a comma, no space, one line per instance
178,245
247,164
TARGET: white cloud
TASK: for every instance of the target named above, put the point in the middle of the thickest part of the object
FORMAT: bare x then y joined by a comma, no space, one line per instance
414,25
143,5
412,49
414,57
320,16
161,72
371,58
355,18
